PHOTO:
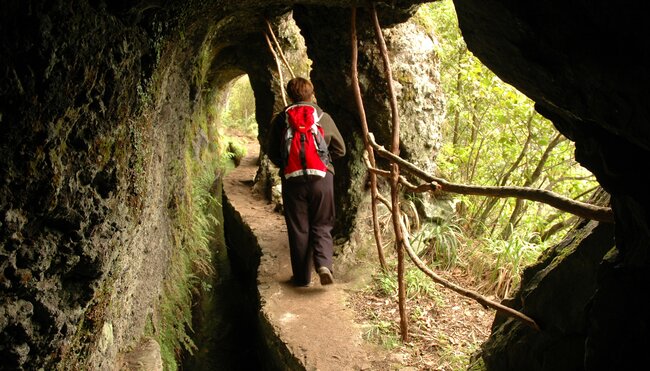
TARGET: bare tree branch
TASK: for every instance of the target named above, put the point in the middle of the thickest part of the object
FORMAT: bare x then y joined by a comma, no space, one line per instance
369,154
520,207
555,228
277,62
504,177
277,44
581,209
394,190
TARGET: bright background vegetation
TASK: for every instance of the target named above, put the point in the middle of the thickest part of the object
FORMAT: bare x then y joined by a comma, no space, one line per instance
494,137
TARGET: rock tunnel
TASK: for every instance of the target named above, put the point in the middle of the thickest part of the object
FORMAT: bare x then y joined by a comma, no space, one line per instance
100,104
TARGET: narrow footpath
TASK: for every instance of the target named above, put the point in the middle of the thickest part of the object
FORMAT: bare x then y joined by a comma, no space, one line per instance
314,323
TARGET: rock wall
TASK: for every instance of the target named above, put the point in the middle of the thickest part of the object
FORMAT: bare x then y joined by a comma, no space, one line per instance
95,110
584,64
556,292
80,176
417,85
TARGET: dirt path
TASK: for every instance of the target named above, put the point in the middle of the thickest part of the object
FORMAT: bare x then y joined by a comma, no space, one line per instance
316,323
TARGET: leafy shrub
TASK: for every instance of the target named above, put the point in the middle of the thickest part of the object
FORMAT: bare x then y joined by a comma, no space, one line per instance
439,242
235,151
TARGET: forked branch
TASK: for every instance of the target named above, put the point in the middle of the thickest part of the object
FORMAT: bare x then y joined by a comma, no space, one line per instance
369,154
581,209
456,288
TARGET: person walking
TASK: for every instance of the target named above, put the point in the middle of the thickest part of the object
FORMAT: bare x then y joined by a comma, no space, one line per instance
308,201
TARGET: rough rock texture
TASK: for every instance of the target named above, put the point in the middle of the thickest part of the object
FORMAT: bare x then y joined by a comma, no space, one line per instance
585,65
96,109
415,68
79,175
146,357
98,106
414,64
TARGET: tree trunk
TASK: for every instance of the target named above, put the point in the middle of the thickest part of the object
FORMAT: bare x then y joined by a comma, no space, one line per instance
479,227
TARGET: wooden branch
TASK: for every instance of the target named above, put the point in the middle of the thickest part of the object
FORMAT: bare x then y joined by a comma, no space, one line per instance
581,209
277,63
369,154
384,201
420,188
389,80
505,176
557,227
394,184
465,292
270,29
488,204
426,187
399,246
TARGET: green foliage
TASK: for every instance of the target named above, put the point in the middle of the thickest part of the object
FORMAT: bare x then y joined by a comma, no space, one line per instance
236,119
203,215
440,242
418,285
235,150
510,258
382,332
493,137
385,284
454,357
191,263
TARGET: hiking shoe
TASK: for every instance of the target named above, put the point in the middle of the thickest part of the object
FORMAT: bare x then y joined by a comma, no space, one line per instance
325,275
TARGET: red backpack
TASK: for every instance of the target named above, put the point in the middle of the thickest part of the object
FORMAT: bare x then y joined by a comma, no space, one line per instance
304,150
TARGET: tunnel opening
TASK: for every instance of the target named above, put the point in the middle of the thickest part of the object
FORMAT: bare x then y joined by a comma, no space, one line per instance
237,117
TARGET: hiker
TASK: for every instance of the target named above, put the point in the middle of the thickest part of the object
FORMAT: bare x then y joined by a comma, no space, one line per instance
307,194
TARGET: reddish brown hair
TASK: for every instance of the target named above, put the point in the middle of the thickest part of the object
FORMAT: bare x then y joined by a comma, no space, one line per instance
300,90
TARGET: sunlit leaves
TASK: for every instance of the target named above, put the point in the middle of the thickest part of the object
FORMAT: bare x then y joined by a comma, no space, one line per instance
493,134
